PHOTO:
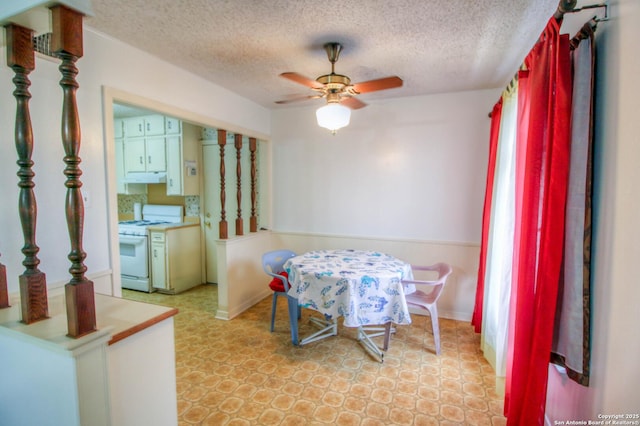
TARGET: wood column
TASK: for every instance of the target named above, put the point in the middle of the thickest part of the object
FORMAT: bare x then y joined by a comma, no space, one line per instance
222,141
66,42
33,284
253,220
238,145
4,293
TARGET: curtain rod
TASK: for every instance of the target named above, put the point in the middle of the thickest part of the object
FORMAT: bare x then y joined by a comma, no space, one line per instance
585,32
569,6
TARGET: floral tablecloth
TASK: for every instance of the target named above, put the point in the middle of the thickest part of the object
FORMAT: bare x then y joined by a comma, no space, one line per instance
364,287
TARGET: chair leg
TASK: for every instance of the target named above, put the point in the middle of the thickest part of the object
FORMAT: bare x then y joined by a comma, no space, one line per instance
433,311
273,310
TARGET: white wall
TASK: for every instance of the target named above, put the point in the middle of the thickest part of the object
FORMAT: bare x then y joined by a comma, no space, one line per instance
406,177
615,370
457,299
110,63
404,168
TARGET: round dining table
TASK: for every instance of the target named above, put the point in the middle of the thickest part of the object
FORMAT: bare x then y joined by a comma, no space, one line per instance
363,287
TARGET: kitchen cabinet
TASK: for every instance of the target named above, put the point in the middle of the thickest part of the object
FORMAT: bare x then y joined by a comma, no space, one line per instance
174,150
174,166
175,257
145,155
118,128
121,186
172,126
158,261
182,152
148,125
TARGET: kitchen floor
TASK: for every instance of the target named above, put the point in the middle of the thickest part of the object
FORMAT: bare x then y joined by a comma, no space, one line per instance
238,373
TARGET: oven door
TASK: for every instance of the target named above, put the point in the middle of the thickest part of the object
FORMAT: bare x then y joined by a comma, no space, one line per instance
133,256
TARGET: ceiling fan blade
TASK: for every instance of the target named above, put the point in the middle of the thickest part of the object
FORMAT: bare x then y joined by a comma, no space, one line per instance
379,84
298,78
297,99
353,103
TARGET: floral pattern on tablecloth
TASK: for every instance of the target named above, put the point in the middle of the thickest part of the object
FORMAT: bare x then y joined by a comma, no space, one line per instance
363,287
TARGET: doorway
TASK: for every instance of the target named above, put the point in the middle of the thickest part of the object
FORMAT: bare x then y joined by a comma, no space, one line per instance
113,96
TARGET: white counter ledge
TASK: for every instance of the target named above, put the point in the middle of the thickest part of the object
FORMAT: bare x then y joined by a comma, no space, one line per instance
119,318
123,373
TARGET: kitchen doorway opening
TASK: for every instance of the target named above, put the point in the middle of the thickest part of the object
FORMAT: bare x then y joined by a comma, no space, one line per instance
125,194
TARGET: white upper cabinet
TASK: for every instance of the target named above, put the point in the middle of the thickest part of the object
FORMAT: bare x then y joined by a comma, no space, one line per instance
156,154
121,186
144,155
149,125
182,155
118,128
154,125
172,126
155,143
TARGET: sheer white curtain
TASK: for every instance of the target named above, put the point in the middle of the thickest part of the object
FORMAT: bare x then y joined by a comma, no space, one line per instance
497,290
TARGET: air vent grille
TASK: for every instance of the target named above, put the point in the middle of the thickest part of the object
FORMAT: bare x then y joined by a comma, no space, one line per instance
42,44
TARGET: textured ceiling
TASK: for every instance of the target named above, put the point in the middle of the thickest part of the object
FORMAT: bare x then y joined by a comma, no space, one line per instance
435,46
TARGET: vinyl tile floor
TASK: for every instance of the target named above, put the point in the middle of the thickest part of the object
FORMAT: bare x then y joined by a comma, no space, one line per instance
238,373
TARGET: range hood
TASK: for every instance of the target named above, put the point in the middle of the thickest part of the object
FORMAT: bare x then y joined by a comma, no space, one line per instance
145,177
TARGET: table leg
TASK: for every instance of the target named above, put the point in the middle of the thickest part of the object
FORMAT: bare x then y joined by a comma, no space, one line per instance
387,335
293,318
366,333
327,328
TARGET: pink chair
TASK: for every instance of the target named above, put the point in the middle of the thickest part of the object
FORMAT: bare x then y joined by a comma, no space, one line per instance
426,301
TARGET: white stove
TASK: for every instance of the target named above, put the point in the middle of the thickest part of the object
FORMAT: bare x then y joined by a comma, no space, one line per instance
137,227
134,244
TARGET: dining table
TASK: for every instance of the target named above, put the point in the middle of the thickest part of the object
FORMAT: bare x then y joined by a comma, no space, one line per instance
364,287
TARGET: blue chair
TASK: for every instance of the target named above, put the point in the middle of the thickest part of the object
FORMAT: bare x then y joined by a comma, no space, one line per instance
272,263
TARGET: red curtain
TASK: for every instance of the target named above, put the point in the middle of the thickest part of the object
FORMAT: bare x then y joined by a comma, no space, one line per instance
521,150
540,246
496,114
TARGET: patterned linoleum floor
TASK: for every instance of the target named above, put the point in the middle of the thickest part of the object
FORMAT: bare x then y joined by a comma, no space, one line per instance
238,373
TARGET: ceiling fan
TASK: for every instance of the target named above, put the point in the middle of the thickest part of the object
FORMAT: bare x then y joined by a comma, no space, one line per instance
337,88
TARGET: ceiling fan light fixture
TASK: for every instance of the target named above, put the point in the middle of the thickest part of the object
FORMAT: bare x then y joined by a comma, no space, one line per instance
333,116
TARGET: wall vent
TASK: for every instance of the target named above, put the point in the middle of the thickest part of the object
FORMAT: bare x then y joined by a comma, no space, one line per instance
42,44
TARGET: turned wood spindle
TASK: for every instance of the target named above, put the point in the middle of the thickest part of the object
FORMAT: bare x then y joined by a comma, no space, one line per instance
238,145
33,285
222,141
4,292
253,220
66,42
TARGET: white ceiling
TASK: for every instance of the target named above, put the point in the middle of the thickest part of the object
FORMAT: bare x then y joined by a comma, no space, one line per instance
435,46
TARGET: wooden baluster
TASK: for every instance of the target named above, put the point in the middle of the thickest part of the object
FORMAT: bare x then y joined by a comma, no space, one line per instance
33,284
253,220
222,141
238,145
4,292
66,42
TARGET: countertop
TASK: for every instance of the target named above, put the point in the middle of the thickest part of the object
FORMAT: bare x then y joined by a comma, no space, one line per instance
168,226
115,317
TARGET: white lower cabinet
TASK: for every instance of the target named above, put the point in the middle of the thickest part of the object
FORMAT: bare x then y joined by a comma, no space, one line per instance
158,261
175,258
